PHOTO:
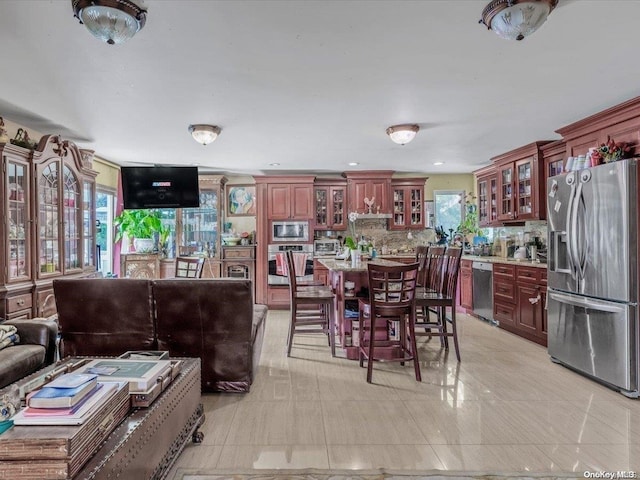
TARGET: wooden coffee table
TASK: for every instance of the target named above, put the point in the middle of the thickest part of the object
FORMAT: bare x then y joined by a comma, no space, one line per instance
149,440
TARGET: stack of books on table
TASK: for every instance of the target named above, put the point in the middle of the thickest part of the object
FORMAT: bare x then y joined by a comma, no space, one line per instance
68,400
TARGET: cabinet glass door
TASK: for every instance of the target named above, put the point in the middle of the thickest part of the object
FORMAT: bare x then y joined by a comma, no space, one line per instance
18,212
483,202
399,207
416,206
71,205
337,200
321,202
506,193
525,203
88,221
493,197
49,244
200,225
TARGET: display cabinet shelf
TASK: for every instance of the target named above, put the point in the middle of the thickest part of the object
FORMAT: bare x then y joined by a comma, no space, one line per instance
48,198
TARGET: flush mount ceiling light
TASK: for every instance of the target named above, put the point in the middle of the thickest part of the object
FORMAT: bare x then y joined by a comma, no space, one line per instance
204,134
112,21
402,134
516,19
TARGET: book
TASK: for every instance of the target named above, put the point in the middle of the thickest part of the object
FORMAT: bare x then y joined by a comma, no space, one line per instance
61,396
33,411
141,374
99,398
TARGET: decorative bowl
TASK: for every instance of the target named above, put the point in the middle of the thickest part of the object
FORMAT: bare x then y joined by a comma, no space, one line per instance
231,241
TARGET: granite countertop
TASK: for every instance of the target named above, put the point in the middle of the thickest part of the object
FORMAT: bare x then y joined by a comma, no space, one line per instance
510,261
345,265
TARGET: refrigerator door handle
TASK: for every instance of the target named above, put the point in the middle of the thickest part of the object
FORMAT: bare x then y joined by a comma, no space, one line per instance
577,251
588,303
569,230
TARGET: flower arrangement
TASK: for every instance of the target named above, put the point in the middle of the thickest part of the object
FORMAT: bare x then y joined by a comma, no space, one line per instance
351,241
609,152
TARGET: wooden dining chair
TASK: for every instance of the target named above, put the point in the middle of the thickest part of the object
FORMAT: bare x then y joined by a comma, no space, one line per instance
431,277
421,259
320,318
189,267
441,298
391,299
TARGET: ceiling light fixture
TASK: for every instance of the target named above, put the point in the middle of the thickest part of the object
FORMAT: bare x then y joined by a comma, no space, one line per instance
437,164
204,134
112,21
275,164
516,19
353,164
402,134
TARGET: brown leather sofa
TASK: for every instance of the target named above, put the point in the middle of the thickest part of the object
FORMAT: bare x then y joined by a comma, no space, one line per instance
37,349
213,319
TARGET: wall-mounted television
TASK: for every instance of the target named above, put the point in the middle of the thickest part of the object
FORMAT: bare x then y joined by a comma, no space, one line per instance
160,187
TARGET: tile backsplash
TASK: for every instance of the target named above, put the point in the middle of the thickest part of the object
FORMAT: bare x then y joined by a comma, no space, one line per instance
377,232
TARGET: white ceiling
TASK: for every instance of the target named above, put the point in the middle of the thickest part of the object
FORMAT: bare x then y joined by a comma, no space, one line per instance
313,84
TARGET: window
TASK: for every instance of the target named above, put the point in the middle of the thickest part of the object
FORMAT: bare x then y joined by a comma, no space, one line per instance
105,207
449,211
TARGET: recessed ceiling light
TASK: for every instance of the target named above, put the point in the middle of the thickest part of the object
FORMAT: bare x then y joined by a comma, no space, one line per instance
353,164
438,163
274,164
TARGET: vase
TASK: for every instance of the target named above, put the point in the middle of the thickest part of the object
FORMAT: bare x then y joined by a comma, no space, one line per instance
143,245
355,257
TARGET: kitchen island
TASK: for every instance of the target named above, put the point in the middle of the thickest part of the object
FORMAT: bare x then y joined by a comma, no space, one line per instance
348,306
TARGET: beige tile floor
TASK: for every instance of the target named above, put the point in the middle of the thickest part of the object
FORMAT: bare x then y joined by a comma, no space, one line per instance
505,408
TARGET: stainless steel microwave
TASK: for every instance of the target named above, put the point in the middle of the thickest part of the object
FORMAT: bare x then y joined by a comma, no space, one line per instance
290,231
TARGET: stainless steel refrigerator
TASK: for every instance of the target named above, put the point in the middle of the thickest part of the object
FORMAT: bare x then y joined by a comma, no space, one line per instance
592,296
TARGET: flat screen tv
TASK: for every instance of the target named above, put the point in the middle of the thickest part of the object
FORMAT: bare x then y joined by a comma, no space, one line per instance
160,187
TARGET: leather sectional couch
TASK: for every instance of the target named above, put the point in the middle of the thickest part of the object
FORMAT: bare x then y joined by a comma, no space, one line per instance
36,349
213,319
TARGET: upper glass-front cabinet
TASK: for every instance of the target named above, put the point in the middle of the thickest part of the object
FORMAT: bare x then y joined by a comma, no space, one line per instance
19,237
65,236
200,227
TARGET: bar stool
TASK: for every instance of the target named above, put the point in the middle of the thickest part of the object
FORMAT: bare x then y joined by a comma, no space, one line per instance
320,320
441,298
391,299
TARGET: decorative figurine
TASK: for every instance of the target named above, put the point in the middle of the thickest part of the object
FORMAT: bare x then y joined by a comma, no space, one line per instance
4,138
369,203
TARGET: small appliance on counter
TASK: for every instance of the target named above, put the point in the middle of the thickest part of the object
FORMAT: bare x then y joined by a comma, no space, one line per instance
326,246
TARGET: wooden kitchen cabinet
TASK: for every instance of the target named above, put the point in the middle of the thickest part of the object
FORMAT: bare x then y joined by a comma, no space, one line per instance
239,262
47,197
330,203
487,188
554,157
521,184
466,284
320,272
407,204
369,184
519,300
531,315
504,301
290,201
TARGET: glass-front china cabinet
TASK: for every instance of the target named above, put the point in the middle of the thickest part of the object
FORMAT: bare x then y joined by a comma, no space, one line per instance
50,222
198,229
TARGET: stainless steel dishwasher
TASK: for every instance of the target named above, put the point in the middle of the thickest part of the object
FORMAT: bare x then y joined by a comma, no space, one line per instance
483,290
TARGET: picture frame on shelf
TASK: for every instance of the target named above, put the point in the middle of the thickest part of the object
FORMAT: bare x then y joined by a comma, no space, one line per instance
241,200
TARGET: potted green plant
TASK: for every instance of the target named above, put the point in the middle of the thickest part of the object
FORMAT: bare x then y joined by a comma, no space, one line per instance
140,227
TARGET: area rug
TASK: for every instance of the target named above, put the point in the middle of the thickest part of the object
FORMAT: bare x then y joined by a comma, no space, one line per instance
312,474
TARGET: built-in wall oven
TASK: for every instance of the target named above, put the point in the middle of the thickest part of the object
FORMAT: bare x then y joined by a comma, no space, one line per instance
290,232
303,257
